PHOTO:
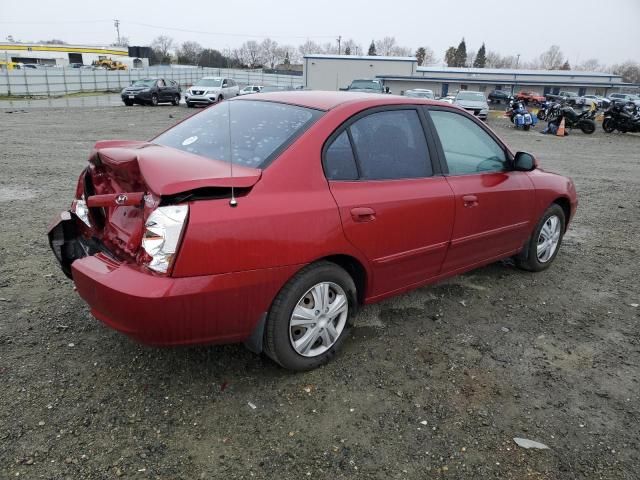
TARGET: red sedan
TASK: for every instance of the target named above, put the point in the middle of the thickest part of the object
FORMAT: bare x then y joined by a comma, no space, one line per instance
269,219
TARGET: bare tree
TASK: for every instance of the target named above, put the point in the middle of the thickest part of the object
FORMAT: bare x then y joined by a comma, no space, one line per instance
162,45
309,47
429,56
124,42
269,52
251,51
495,60
354,47
330,48
385,46
590,65
551,59
629,70
189,53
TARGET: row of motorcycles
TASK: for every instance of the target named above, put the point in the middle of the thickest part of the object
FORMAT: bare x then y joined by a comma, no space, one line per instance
621,116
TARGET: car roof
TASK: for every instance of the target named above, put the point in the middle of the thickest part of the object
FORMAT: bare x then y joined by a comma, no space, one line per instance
326,100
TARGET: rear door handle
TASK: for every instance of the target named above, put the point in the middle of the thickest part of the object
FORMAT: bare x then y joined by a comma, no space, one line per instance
470,200
363,214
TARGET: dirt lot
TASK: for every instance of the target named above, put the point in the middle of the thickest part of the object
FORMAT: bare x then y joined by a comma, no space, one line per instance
434,384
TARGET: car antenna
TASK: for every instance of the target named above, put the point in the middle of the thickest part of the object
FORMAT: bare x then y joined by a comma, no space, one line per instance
233,202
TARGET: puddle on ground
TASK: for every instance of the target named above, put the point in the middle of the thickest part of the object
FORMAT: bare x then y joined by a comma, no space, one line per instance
8,194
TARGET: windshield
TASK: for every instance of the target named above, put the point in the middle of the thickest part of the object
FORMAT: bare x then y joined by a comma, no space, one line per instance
474,96
208,82
365,84
144,83
258,129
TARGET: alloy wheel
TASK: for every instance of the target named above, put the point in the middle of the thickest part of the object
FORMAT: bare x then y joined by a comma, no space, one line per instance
318,319
548,239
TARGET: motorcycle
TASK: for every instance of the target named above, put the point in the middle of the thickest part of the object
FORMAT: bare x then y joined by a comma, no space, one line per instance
519,115
584,120
622,117
545,108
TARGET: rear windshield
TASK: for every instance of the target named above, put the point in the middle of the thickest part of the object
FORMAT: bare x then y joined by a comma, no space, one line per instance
258,130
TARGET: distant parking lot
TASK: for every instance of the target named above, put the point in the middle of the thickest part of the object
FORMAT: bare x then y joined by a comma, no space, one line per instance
433,384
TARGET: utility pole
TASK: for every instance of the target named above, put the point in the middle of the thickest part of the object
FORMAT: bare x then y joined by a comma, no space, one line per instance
339,40
517,59
116,23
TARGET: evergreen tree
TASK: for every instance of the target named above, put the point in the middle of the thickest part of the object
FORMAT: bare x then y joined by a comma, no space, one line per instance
461,54
450,56
347,50
481,58
421,53
372,49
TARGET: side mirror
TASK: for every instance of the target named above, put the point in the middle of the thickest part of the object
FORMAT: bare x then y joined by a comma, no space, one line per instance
524,162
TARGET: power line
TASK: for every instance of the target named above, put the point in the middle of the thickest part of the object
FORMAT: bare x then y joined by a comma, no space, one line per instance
228,34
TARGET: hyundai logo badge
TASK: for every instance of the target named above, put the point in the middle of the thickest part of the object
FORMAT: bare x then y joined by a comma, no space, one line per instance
121,199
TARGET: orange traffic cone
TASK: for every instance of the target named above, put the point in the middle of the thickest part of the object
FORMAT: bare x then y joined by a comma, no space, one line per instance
560,132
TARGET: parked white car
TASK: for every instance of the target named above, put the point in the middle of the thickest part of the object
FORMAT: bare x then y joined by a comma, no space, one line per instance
419,93
210,90
251,89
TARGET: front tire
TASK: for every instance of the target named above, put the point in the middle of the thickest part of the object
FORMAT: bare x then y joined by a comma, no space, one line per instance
154,100
543,245
176,100
608,125
588,126
129,104
310,317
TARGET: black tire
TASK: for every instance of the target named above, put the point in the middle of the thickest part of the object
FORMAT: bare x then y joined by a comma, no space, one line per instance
608,125
526,127
129,104
588,126
540,115
277,342
176,100
189,105
154,100
527,259
220,98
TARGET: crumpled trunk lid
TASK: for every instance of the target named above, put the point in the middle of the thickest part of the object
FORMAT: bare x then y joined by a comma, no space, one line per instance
126,180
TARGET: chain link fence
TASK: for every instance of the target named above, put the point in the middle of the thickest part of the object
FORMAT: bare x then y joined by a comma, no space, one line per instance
62,81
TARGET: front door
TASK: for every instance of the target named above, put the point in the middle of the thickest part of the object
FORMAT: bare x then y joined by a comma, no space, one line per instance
445,89
393,208
493,205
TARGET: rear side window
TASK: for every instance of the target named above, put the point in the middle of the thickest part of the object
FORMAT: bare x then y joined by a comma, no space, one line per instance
467,147
391,145
339,162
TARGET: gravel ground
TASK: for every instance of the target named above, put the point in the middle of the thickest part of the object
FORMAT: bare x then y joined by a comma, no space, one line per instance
433,384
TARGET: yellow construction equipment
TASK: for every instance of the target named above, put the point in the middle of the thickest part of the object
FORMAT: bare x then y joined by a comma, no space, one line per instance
108,63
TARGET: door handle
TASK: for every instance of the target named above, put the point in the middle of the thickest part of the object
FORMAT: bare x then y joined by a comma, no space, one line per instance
470,200
363,214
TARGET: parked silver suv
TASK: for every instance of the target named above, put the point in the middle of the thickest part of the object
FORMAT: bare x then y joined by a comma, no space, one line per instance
210,90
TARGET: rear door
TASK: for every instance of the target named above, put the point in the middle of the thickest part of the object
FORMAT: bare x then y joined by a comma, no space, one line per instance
394,205
493,205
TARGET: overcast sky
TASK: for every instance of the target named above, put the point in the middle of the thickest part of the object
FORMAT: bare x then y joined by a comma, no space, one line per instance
608,31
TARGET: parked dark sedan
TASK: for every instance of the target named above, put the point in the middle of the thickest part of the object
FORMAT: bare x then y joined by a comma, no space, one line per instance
498,96
151,91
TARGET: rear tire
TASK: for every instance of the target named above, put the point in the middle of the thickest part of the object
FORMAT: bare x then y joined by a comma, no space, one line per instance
284,340
534,257
526,127
176,100
588,126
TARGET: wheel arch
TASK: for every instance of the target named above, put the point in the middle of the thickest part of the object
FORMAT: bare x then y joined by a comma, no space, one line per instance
564,203
354,268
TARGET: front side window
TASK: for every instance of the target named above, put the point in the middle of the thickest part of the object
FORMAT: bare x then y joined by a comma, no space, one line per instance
249,132
467,147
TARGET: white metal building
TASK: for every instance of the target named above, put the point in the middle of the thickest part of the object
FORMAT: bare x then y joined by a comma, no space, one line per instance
332,72
63,55
448,80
